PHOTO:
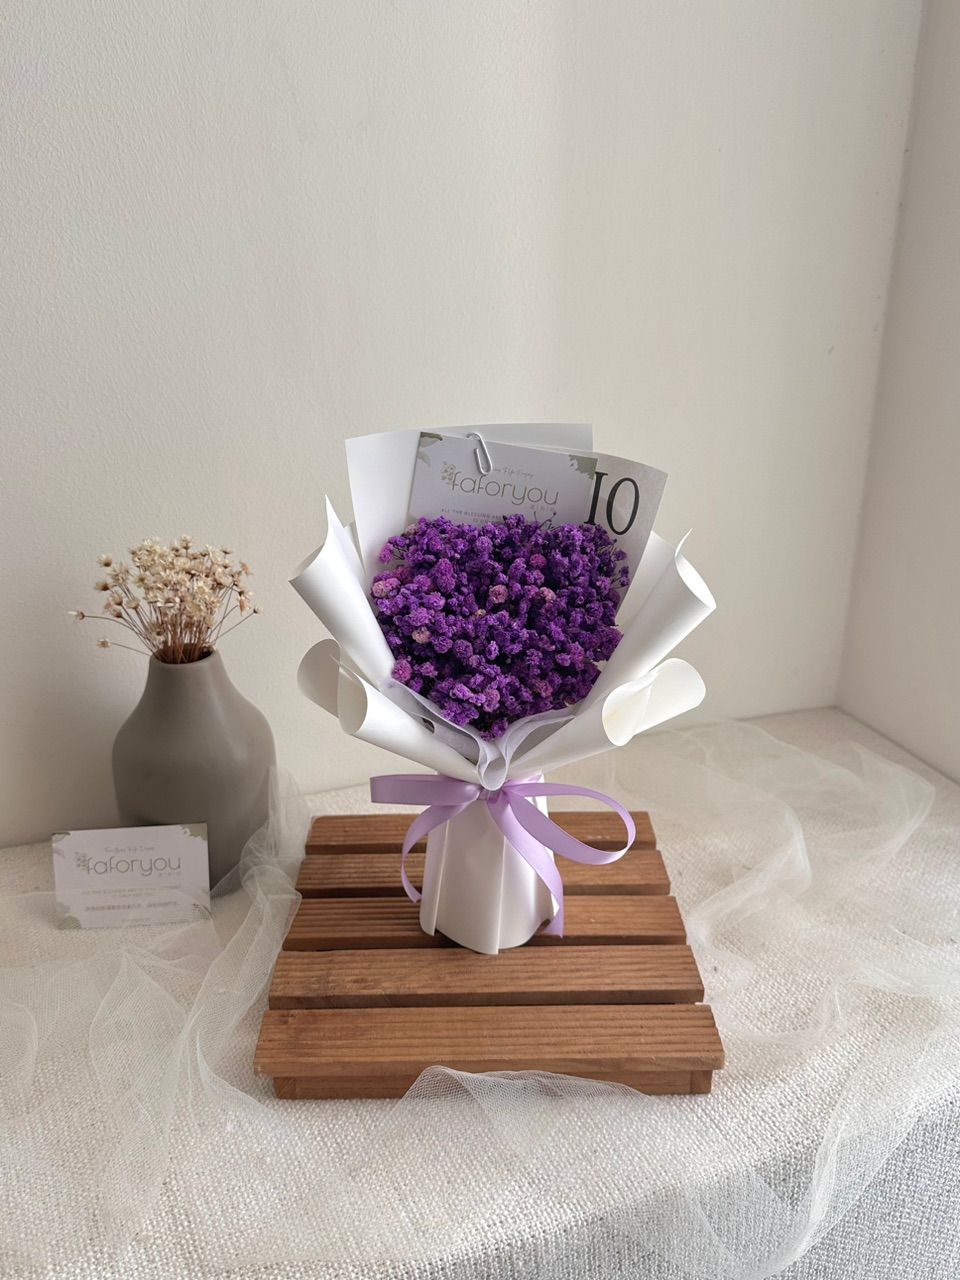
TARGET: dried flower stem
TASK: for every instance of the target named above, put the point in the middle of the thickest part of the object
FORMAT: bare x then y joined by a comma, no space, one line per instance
235,625
115,644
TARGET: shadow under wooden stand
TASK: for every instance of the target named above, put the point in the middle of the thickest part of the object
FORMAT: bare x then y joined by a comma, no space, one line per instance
362,1000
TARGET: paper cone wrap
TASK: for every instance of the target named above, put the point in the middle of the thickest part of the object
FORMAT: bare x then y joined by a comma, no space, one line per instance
477,890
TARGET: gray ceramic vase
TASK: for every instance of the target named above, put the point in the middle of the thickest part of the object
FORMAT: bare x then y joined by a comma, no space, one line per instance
195,750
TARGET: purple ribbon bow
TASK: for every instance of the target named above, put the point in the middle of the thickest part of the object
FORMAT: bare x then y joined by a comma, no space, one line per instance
523,825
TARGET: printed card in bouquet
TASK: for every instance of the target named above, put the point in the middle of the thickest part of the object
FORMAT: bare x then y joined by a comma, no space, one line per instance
470,482
500,607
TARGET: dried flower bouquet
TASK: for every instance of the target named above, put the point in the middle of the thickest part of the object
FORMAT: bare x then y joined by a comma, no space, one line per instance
501,621
175,600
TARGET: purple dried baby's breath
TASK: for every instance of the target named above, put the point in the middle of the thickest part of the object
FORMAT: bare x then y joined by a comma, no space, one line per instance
499,621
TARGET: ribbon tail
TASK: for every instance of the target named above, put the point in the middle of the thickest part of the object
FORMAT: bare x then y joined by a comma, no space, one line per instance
533,852
445,798
436,816
547,832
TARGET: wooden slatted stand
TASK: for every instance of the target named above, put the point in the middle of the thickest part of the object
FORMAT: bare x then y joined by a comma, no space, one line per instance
362,1000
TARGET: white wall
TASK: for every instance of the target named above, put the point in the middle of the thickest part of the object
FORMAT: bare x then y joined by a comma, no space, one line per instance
901,672
233,233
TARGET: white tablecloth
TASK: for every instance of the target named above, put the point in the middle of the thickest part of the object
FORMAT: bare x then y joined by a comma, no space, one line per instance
820,883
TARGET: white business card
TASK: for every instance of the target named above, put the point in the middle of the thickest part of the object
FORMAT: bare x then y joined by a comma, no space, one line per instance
131,876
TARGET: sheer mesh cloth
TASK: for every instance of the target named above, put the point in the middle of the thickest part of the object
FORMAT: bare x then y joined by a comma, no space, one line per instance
819,872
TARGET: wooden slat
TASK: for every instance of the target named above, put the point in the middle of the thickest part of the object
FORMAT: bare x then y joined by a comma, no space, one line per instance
445,976
372,875
380,1052
640,1078
384,832
360,924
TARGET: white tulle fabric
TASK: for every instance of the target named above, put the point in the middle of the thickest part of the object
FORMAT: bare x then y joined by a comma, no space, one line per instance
820,888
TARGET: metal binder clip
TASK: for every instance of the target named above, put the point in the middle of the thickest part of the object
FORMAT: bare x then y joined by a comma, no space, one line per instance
481,453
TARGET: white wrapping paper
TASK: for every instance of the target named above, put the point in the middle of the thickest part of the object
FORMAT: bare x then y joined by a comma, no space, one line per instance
478,890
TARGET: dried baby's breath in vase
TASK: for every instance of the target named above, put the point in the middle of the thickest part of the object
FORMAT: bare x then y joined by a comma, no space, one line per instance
176,601
194,749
